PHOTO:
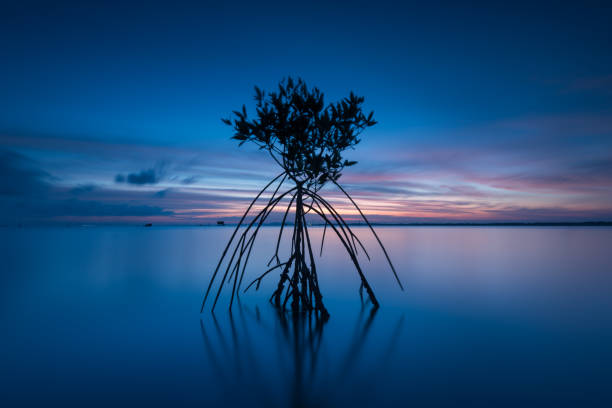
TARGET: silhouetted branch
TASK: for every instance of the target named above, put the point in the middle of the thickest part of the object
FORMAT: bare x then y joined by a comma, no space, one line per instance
258,279
374,232
241,239
323,238
364,281
232,238
341,222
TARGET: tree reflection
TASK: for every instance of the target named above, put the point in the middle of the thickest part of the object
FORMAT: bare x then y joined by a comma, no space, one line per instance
284,359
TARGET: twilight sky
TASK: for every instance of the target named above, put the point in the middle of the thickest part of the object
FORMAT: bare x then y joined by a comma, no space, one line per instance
111,113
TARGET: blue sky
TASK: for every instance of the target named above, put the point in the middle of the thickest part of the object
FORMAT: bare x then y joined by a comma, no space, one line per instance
487,112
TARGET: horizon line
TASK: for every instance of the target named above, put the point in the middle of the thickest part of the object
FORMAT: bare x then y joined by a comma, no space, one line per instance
355,224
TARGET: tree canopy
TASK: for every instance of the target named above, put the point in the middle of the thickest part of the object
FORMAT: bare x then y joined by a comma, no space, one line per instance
303,135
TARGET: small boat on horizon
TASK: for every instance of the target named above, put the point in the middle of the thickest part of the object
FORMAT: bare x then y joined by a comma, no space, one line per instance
220,222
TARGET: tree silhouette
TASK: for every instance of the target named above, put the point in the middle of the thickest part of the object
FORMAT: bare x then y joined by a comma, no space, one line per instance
306,138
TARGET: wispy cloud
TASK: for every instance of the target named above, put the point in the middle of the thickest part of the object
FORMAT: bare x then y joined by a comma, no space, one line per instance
19,176
28,195
531,168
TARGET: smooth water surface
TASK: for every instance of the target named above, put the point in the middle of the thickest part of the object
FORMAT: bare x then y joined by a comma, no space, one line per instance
490,317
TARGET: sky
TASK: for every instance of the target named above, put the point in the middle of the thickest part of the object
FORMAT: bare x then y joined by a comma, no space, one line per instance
110,112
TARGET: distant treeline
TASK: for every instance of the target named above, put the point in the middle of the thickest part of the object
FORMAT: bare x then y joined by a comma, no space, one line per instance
356,224
511,224
474,224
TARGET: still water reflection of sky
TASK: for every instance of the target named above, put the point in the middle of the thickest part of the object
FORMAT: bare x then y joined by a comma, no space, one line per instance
489,317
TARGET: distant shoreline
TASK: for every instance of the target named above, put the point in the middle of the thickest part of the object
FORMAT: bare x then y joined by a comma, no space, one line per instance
467,224
496,224
355,224
438,224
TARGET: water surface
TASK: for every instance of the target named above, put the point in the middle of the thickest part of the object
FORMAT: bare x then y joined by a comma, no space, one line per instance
491,316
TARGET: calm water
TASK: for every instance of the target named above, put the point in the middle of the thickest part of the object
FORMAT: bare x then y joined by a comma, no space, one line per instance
490,317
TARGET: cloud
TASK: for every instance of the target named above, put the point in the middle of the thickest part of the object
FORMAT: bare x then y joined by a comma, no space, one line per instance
546,167
162,193
19,176
80,208
144,177
83,189
149,176
28,194
189,180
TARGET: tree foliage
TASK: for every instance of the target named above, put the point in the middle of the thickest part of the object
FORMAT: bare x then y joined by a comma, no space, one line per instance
305,136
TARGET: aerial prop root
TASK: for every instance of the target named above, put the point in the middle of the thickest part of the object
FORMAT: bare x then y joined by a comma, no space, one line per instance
299,272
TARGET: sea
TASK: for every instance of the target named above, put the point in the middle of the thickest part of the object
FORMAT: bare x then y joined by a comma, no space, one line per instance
490,316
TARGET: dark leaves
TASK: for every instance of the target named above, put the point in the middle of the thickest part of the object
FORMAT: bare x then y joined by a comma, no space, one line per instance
303,134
